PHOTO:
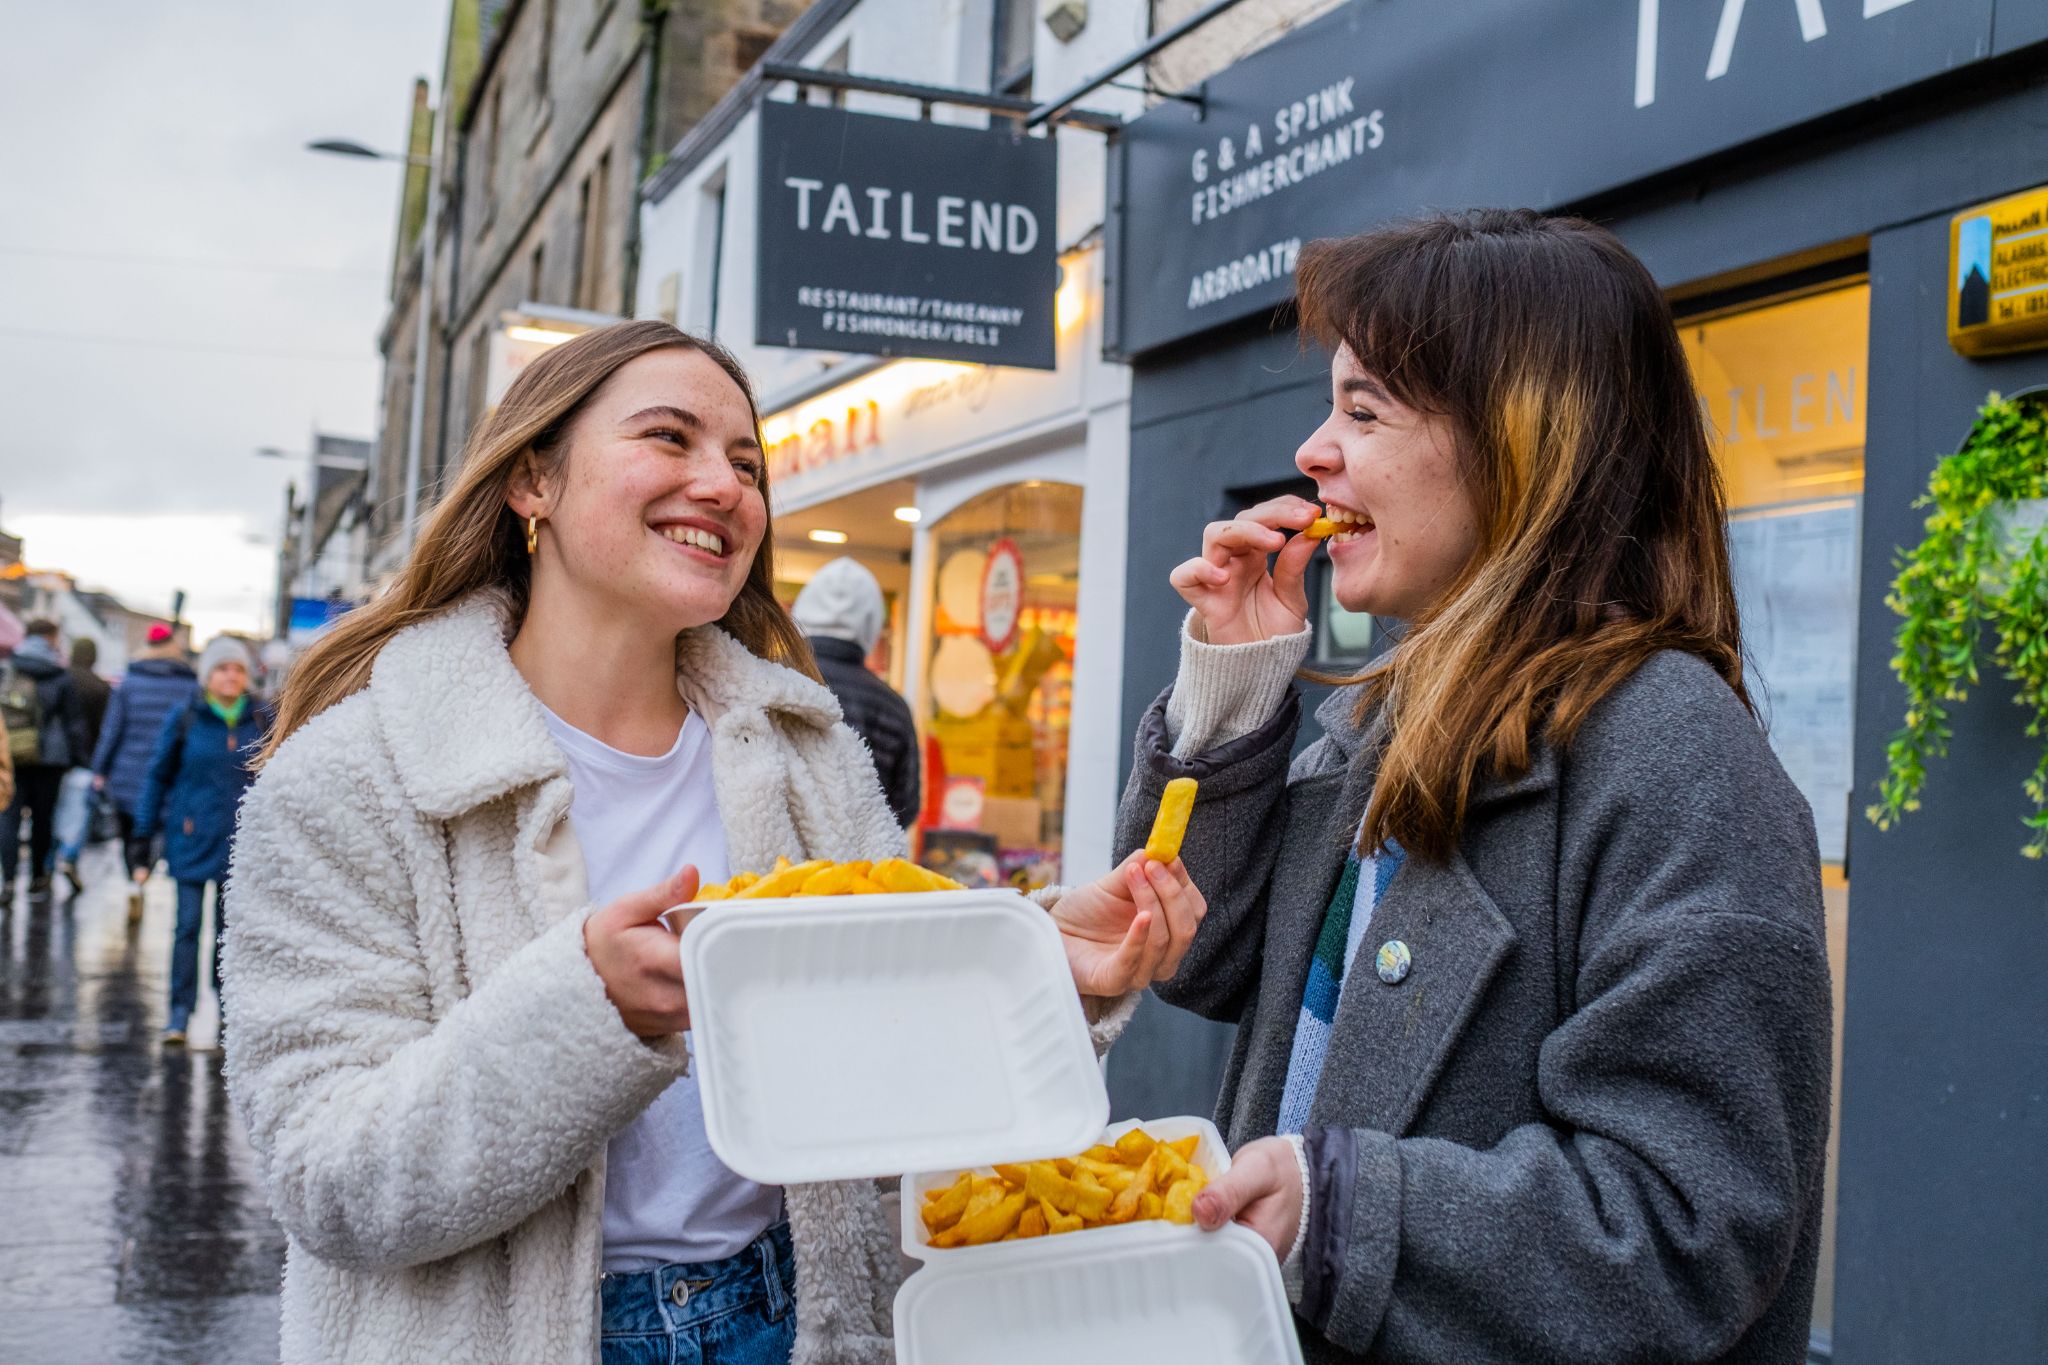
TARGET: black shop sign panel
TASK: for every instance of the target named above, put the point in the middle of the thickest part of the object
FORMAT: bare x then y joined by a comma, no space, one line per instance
1385,108
896,237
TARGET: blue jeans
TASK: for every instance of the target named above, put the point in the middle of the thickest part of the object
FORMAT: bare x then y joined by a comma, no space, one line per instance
738,1311
185,948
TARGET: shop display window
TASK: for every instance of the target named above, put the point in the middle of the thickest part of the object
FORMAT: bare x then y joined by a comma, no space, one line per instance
998,684
1783,386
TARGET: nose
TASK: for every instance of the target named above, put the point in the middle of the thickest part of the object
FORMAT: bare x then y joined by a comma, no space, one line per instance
1319,455
711,480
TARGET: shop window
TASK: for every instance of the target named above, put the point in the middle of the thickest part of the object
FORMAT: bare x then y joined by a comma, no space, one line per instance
998,684
1782,386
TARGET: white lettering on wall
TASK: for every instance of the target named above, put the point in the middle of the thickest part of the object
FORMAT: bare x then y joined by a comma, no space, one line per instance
1813,25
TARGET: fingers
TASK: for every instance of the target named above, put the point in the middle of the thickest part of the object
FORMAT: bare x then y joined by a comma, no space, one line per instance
1159,942
649,904
1184,907
1283,511
1224,541
1226,1194
1290,571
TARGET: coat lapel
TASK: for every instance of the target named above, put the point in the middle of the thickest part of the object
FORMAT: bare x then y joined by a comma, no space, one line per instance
1389,1041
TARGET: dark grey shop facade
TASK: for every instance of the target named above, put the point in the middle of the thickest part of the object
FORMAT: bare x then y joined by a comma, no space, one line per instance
1789,175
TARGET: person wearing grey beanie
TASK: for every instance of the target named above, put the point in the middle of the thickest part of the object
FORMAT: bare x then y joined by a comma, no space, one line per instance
840,610
196,781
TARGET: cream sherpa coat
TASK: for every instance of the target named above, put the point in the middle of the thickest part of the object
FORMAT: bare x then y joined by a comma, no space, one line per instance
429,1066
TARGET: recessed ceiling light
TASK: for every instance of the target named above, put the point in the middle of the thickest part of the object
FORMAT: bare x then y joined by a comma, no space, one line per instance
829,537
908,514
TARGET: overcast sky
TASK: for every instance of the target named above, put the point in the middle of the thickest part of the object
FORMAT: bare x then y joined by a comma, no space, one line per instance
181,283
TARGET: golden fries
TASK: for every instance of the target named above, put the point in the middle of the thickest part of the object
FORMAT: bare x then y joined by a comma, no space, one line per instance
1322,528
1137,1178
822,877
1170,826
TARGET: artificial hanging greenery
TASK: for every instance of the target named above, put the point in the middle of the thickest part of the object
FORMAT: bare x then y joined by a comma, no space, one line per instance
1974,570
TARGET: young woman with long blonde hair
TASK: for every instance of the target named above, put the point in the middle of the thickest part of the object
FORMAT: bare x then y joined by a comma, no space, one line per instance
455,1016
1525,954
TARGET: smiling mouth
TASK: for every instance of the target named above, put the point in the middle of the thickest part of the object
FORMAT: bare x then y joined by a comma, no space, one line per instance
1347,525
708,541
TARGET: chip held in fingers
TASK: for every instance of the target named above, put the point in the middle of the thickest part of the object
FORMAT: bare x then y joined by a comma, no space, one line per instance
1138,1179
1170,826
1322,528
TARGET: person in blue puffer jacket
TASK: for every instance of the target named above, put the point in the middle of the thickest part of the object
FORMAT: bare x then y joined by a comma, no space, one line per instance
156,684
194,785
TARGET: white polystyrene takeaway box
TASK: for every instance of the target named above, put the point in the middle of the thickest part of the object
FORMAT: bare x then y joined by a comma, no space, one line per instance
1210,1154
852,1036
1154,1292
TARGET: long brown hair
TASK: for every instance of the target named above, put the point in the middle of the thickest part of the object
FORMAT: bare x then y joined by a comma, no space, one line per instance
472,540
1602,519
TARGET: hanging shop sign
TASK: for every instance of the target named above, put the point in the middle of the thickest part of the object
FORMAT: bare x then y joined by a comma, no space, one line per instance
1998,275
1385,108
898,237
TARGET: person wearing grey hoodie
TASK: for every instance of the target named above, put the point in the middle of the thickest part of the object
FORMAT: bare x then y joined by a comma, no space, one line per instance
840,611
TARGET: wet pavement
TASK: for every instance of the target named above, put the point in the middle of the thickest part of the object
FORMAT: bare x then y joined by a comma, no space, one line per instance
132,1223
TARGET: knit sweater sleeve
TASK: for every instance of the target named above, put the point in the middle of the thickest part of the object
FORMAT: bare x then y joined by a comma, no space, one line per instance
1224,692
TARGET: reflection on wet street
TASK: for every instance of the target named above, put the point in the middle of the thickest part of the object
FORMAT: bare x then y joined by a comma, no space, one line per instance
132,1223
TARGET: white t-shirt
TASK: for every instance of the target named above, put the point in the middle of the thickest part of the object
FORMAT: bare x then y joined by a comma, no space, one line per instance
667,1196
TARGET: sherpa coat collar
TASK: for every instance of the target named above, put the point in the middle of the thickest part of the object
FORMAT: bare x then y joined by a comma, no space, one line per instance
440,685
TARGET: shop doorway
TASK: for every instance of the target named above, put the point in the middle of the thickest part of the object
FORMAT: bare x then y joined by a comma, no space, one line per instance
873,526
1782,382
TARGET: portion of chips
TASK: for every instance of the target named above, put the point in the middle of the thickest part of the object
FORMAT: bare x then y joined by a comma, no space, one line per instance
821,877
1137,1178
1322,528
1170,825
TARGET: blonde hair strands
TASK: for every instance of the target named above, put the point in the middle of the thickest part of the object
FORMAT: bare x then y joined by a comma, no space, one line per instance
472,541
1551,353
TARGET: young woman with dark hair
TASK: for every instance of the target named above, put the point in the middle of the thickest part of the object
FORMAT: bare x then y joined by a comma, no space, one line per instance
1525,954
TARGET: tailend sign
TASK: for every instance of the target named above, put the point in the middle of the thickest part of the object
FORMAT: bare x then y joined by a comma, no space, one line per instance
897,237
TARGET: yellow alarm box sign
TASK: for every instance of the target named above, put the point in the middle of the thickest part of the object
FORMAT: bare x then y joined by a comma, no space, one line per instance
1998,275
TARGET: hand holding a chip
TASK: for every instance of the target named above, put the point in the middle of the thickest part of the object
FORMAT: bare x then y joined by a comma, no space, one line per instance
1228,583
1130,928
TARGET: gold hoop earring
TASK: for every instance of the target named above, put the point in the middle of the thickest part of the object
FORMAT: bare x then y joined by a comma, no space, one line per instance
533,534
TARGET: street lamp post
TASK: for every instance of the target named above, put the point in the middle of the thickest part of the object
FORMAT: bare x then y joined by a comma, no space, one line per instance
416,419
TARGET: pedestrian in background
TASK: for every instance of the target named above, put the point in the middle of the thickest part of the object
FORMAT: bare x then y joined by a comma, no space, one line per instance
194,785
156,684
74,799
6,768
840,610
46,727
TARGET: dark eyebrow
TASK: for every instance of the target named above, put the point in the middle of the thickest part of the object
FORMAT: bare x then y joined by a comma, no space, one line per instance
680,416
1364,386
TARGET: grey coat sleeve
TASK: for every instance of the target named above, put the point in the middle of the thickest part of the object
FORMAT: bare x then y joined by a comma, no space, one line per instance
1229,850
1658,1211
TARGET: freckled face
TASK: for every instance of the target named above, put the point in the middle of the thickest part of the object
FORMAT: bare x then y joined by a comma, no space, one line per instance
660,508
1390,473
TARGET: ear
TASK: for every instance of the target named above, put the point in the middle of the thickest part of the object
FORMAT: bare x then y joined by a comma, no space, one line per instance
527,492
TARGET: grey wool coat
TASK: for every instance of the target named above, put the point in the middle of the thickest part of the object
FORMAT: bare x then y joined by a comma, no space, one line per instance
1589,1124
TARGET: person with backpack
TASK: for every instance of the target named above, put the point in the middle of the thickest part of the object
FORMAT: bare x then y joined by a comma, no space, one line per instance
46,728
75,796
154,685
195,783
